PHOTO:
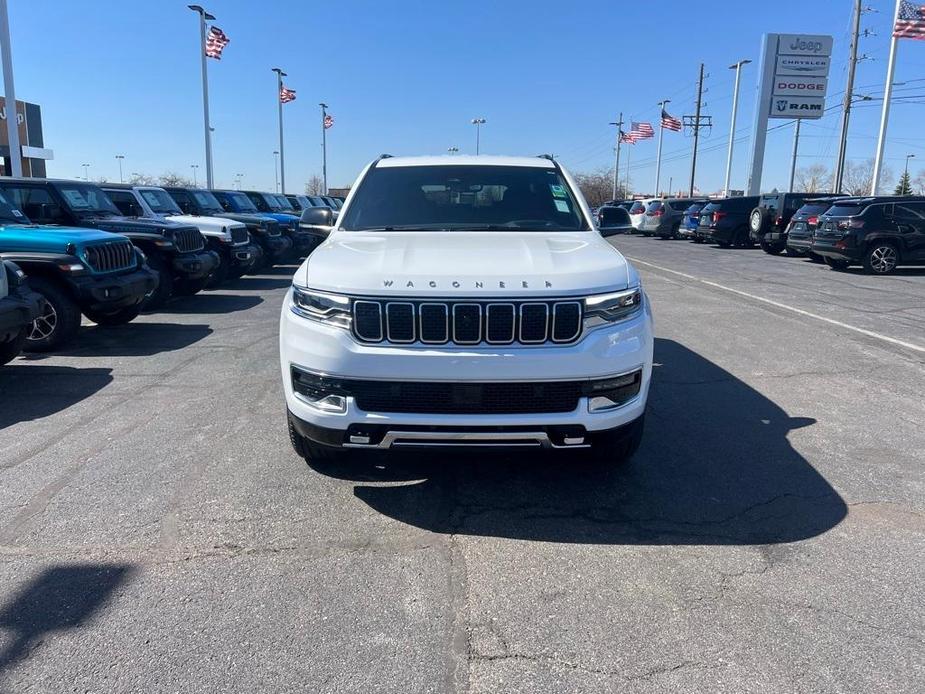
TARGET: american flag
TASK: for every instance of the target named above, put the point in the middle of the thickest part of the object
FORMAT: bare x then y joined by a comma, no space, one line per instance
642,131
629,138
670,122
286,95
910,24
328,121
215,43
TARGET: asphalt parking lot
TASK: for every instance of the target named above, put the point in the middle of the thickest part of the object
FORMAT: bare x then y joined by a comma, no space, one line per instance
158,534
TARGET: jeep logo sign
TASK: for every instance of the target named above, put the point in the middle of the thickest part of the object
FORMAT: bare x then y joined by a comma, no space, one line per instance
804,44
797,76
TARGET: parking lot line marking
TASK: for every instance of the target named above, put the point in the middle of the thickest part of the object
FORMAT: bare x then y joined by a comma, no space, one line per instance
794,309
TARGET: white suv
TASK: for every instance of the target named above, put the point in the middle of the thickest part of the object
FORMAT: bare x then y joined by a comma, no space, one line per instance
466,301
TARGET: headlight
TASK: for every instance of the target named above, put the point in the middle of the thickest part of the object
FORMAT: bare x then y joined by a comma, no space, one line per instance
325,308
603,309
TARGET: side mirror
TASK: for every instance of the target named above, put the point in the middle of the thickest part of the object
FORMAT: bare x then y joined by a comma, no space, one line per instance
317,219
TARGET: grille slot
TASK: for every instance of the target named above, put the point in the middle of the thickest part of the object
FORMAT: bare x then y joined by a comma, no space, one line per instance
467,322
111,256
239,235
188,240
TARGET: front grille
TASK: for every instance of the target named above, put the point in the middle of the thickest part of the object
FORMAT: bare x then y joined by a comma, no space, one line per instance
467,322
110,256
188,240
239,235
271,228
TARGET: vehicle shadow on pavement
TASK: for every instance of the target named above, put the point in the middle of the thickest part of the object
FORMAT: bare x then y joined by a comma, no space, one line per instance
715,467
33,392
137,339
59,598
205,303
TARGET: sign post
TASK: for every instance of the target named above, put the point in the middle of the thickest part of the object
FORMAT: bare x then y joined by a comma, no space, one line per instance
794,78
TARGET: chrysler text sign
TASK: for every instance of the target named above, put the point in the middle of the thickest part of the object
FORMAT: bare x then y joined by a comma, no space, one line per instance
800,76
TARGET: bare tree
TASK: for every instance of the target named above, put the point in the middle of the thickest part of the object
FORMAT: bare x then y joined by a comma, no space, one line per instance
597,186
918,184
171,178
314,185
812,179
138,179
859,176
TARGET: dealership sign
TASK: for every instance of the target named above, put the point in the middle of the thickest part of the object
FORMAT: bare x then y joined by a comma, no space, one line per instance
801,76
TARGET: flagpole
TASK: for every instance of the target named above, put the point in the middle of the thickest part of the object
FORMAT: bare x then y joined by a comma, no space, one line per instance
616,162
279,102
203,16
324,149
658,155
885,113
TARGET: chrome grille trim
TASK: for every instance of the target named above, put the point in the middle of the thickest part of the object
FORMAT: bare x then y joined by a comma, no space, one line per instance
110,256
443,321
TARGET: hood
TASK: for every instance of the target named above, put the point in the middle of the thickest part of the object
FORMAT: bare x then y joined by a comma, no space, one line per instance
213,224
451,264
48,239
283,218
246,217
133,225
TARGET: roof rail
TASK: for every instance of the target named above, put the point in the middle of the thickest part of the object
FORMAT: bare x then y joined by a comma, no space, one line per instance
384,156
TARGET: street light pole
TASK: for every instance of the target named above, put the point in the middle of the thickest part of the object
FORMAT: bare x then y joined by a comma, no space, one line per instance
86,171
478,123
616,156
12,122
906,172
119,158
452,150
194,167
732,128
276,168
207,126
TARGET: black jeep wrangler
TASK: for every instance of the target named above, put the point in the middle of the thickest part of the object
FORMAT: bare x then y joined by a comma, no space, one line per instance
767,223
176,252
19,306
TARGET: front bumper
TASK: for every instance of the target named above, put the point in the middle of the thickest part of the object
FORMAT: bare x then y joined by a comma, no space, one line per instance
119,291
17,311
603,352
194,266
244,256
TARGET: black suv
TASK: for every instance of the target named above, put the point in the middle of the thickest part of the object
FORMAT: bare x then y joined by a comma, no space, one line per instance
725,221
767,223
878,233
803,225
176,252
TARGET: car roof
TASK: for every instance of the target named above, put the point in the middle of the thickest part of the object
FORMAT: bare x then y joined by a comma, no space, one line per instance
465,160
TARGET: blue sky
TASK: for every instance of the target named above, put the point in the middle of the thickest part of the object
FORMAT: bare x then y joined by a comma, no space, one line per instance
407,76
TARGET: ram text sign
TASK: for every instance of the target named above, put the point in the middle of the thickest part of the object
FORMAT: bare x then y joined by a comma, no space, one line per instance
801,76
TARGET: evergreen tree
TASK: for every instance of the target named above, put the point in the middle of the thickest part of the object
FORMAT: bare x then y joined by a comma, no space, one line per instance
904,187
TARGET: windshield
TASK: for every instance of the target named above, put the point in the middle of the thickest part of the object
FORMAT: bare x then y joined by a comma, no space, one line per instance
638,207
9,213
160,201
462,197
284,203
81,198
844,210
239,202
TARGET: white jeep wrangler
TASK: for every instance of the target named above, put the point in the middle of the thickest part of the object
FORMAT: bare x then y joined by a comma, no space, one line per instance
466,301
226,237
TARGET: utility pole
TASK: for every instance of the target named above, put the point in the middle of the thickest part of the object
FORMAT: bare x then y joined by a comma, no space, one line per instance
732,127
796,146
626,180
696,124
616,162
846,104
12,121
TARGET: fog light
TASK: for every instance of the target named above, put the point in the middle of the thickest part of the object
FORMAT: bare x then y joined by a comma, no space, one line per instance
609,393
334,404
320,392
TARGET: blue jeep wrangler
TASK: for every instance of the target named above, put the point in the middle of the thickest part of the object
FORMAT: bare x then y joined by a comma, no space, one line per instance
75,271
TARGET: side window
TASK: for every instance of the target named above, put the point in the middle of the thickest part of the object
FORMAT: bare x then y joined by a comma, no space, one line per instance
224,202
910,211
183,199
126,203
37,204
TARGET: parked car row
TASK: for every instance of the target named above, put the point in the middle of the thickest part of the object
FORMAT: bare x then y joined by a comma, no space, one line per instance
72,249
879,233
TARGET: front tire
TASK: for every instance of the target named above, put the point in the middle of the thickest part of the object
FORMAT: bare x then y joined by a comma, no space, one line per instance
164,290
11,349
59,321
310,451
881,259
118,317
615,448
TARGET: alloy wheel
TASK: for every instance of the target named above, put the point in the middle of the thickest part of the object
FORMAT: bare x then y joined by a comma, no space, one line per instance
44,325
883,259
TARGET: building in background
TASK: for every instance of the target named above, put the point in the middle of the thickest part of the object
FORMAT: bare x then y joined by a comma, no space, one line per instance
34,154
